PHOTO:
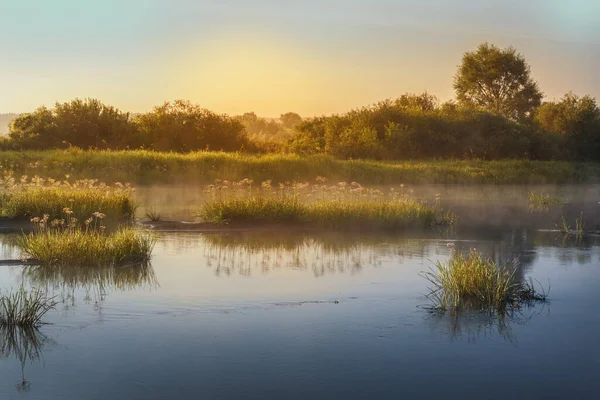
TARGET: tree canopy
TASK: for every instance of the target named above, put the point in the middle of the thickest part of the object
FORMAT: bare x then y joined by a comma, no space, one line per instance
497,80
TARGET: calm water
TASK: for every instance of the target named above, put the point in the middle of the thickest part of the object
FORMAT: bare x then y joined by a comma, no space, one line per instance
251,316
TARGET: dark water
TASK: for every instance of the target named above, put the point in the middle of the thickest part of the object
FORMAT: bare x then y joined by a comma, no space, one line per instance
252,316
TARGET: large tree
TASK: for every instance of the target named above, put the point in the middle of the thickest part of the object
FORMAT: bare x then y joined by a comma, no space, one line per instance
497,80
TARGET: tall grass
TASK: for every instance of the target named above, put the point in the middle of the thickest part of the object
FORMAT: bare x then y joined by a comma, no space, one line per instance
59,243
340,205
474,282
23,308
143,167
37,196
543,201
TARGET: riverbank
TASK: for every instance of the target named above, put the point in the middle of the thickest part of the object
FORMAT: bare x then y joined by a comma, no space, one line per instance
148,167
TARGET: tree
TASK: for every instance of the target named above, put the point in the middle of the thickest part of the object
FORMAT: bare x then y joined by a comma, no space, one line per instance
290,120
497,80
183,126
575,118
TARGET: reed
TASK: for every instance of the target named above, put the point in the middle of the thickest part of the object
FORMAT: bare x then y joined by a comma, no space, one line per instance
24,309
66,243
342,205
477,283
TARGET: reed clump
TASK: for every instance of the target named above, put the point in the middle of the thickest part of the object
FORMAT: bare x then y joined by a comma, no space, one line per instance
66,242
36,196
23,308
341,205
543,201
472,282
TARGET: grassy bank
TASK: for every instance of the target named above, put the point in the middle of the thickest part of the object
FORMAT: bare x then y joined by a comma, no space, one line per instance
36,196
144,167
337,206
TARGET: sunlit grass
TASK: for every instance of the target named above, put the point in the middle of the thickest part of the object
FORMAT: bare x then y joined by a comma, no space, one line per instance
474,282
66,243
141,166
23,308
341,205
37,196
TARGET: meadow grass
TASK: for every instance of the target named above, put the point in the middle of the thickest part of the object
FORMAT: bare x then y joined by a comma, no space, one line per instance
337,206
24,309
474,282
36,196
146,167
66,243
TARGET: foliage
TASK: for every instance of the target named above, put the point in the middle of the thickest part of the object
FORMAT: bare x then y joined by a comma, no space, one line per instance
499,81
577,119
83,123
327,206
183,126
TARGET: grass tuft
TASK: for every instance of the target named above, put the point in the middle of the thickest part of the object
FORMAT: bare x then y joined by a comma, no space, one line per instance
543,201
476,283
341,205
28,197
65,242
24,309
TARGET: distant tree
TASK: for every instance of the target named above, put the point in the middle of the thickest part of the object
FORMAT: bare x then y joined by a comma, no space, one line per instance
577,119
497,80
183,126
258,126
421,102
83,123
290,120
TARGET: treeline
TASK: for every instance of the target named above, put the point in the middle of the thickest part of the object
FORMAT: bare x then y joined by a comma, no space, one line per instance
419,127
498,113
174,126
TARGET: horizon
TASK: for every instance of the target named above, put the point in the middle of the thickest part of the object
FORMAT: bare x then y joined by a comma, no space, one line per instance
271,58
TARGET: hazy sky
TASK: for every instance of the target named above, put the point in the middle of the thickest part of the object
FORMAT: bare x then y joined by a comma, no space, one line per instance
274,56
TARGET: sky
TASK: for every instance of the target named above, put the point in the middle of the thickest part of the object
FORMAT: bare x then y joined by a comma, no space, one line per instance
273,56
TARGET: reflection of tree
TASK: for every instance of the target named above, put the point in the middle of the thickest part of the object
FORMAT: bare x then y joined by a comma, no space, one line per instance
473,326
323,253
95,281
23,344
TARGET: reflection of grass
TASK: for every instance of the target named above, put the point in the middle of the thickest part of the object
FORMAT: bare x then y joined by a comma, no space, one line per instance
337,206
23,308
543,201
24,344
474,282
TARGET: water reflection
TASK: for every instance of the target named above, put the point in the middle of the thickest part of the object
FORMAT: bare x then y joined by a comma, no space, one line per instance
95,282
24,345
323,253
475,326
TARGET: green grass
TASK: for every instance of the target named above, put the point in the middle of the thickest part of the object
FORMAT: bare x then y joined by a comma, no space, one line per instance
24,309
53,244
543,201
579,229
36,196
145,167
474,282
338,206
